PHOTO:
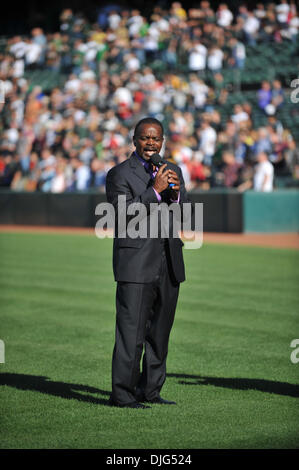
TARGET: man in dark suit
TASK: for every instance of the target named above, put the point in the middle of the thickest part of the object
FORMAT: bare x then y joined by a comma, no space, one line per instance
148,272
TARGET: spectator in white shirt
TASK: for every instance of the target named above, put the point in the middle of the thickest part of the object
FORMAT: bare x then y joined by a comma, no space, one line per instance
264,174
293,28
38,37
113,20
18,47
207,143
151,42
73,84
122,95
199,90
259,11
12,134
161,23
58,183
47,159
18,68
215,58
282,11
197,57
33,53
87,73
131,62
240,116
135,22
82,175
224,16
250,28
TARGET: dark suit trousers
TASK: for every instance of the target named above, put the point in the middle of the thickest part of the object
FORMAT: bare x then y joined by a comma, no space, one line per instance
144,317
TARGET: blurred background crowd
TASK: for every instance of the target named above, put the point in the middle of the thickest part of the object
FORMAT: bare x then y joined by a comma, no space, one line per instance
221,80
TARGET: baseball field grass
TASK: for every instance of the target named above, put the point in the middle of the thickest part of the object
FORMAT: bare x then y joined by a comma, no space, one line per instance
229,362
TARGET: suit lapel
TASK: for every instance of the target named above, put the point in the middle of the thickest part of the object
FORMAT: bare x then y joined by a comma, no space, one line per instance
139,169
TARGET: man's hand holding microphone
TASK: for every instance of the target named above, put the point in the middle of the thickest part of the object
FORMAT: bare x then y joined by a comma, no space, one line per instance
165,178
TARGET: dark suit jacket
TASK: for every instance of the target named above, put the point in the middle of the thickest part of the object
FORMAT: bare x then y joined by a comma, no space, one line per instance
139,259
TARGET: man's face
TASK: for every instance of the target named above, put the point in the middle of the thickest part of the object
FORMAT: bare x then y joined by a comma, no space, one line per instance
148,140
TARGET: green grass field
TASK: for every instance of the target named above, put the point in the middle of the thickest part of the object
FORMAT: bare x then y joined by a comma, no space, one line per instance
229,366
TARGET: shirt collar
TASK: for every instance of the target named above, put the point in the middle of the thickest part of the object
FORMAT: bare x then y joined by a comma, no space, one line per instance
145,163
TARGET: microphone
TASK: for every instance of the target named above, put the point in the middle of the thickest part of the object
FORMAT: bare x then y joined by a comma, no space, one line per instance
158,161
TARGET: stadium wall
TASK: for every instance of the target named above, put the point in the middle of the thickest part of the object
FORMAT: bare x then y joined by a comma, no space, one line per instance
224,210
271,212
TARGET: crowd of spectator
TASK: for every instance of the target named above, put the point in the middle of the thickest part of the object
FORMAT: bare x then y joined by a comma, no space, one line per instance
67,138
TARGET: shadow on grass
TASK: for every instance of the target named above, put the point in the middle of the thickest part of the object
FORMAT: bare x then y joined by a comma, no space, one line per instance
58,389
261,385
72,391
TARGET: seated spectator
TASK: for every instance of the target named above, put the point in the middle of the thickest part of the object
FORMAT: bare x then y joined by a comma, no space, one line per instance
98,174
244,147
81,175
86,152
263,141
59,183
198,173
246,178
264,95
199,91
240,116
47,159
277,95
230,170
259,11
9,167
47,174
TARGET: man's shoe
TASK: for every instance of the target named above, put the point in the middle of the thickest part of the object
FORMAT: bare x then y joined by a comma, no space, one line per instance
160,401
135,404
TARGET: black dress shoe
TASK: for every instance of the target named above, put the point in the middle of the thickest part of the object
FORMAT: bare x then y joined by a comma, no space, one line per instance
135,404
160,401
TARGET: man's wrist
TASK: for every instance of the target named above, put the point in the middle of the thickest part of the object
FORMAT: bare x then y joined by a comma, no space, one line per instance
155,189
157,194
